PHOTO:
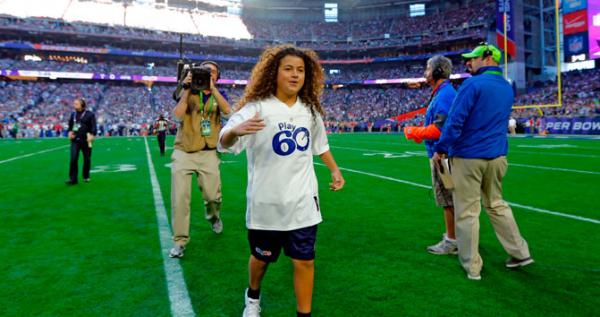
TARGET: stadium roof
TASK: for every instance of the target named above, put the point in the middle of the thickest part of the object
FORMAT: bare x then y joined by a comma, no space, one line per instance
318,4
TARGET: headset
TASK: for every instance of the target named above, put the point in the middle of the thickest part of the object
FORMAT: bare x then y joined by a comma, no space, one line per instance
83,103
437,74
215,65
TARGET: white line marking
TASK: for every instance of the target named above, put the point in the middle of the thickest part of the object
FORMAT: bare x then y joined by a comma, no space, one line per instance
388,154
181,304
509,151
412,153
547,146
395,142
382,177
32,154
555,154
510,203
555,213
555,169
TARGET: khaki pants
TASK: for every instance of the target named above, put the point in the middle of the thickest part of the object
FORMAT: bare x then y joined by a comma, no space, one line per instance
205,165
443,196
475,179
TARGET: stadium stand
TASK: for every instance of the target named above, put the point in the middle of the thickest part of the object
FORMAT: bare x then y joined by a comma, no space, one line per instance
353,53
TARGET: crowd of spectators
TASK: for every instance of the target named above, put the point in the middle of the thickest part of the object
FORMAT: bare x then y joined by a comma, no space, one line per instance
465,22
43,108
334,73
34,108
112,68
131,108
434,26
580,96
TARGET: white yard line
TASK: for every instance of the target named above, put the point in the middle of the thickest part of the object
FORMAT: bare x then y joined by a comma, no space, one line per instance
555,169
181,304
32,154
530,208
423,153
420,151
555,154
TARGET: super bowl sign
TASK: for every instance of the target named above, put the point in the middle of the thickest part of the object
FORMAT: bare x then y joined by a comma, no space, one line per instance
581,125
575,22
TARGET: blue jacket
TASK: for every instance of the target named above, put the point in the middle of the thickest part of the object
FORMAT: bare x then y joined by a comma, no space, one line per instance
477,122
439,106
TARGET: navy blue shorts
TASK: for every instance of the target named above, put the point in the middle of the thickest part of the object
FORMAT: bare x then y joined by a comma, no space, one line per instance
298,244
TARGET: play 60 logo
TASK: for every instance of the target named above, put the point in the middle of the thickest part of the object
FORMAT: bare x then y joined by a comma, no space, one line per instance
290,138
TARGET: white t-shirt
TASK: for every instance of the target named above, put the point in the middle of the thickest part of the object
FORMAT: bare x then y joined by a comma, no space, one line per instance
282,191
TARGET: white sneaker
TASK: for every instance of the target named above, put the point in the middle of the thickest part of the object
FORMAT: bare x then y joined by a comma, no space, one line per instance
514,262
443,247
217,226
176,251
474,277
252,306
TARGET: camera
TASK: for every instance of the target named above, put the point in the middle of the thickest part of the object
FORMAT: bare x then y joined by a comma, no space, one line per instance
200,78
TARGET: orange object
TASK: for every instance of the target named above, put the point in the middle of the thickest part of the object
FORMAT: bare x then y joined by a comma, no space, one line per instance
418,134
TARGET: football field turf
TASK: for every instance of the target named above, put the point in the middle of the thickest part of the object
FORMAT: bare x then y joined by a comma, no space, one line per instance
94,249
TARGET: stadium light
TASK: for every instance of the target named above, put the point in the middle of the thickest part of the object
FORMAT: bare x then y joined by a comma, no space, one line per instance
143,14
331,12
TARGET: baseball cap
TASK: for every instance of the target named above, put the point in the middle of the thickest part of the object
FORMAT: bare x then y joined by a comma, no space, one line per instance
481,49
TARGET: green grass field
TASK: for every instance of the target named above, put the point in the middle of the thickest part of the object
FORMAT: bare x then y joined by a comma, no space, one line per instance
94,249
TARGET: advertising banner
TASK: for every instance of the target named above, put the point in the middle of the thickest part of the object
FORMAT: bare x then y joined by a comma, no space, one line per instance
579,125
501,7
575,22
573,5
594,28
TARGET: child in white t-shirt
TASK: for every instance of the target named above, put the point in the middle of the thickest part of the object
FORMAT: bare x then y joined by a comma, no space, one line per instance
279,124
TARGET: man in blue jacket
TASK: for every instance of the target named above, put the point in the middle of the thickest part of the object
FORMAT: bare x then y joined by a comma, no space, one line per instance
474,137
437,74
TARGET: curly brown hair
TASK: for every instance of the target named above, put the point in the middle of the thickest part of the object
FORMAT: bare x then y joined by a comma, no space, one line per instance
263,81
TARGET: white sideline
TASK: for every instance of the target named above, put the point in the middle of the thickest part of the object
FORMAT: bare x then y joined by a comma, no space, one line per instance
555,169
32,154
423,153
556,213
181,304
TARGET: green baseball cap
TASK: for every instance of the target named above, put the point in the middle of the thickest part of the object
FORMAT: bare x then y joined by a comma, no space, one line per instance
480,51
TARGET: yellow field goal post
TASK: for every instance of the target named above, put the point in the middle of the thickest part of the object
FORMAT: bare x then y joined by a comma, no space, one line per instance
558,65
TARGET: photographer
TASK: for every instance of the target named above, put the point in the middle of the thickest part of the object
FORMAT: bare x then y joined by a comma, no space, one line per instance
82,129
199,112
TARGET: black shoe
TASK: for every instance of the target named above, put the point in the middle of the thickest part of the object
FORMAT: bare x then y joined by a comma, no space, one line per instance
514,262
69,182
